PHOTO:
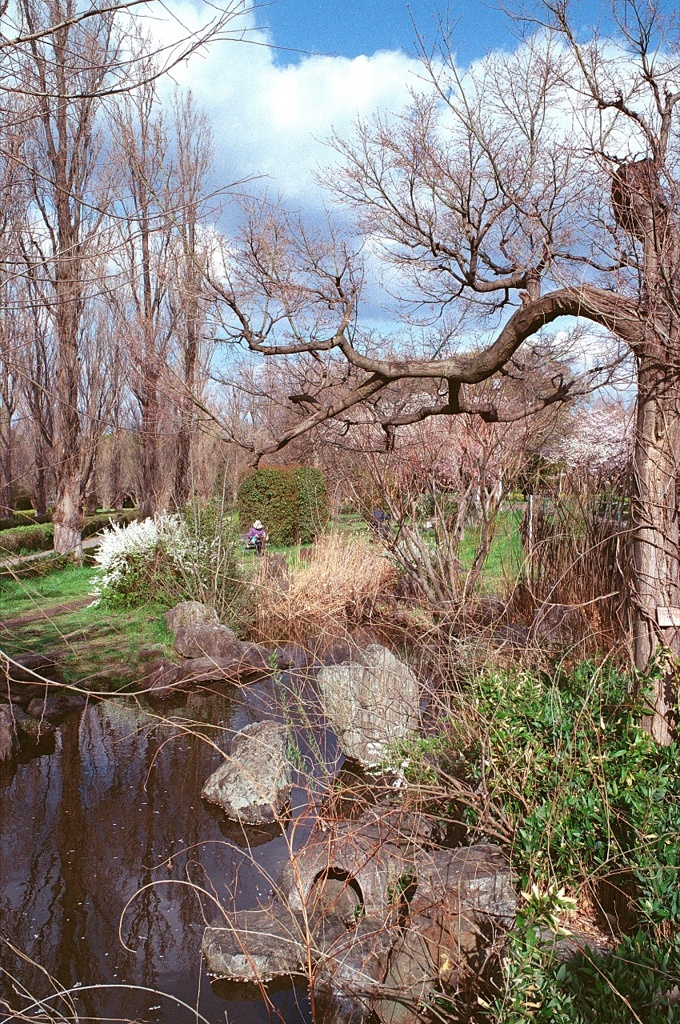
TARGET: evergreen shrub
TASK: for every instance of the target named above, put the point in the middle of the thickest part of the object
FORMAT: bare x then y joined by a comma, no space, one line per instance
291,502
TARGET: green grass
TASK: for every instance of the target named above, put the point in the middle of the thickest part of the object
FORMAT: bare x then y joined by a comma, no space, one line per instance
99,646
19,597
506,553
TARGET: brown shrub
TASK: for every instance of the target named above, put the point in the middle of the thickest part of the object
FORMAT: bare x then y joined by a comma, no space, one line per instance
333,589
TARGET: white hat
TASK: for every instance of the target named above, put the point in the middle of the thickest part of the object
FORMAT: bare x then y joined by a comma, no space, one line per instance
258,525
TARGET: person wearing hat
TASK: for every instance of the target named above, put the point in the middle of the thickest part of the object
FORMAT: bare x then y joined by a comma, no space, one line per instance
257,536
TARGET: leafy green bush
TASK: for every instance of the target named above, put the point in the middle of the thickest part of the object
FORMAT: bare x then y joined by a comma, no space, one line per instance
585,790
24,540
292,503
95,524
29,518
629,984
587,801
312,503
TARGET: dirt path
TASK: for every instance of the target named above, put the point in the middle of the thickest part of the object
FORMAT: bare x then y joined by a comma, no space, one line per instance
49,612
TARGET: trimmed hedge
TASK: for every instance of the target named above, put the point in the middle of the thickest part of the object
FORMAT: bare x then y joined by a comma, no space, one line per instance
24,519
292,503
23,540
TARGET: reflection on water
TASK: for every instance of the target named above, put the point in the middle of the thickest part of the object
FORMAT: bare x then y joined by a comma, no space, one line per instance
115,809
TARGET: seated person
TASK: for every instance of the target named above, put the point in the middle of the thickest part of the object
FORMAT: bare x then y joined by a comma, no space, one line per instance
257,536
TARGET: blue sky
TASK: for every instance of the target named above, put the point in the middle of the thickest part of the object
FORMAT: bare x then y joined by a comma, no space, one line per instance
352,27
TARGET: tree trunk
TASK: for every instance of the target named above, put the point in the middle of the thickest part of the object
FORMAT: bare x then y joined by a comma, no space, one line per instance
6,508
655,533
39,494
148,505
68,515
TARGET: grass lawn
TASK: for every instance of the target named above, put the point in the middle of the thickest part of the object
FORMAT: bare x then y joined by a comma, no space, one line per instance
506,554
99,646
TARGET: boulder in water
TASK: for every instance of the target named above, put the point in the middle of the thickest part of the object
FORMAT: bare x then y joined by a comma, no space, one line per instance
254,783
205,640
186,613
371,703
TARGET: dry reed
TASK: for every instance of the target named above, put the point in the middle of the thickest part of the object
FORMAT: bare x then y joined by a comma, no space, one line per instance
335,588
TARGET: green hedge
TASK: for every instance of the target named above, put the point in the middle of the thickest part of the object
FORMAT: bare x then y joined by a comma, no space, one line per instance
292,503
24,519
24,540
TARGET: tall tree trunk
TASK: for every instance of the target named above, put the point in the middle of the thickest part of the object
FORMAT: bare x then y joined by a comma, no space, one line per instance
656,535
148,506
39,494
6,484
183,457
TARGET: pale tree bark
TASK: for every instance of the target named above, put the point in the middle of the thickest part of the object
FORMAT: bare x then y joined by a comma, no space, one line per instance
65,70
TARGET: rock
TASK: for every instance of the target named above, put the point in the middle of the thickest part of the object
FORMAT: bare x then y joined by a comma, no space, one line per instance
205,640
54,706
371,703
410,981
353,970
162,677
9,744
351,850
31,730
566,947
294,656
478,877
557,624
28,674
335,897
255,946
430,920
187,613
254,783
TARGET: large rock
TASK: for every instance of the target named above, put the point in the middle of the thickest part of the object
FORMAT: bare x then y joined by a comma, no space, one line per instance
431,919
254,783
53,707
205,640
31,730
162,677
187,613
9,745
372,703
28,675
255,945
369,851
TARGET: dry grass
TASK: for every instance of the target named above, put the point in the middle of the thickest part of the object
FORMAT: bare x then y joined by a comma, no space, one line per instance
335,588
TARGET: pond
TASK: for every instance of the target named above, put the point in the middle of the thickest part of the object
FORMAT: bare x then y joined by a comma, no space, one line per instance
109,816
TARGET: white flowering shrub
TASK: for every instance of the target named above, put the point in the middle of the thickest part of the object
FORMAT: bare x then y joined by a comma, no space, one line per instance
166,559
144,560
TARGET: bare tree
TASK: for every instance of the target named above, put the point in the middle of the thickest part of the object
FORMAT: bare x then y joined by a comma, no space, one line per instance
538,186
189,297
65,71
142,157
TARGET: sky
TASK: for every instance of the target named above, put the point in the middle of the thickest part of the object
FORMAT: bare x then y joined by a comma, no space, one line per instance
311,67
352,27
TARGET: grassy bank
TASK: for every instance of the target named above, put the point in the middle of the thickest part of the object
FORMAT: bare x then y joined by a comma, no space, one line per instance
100,647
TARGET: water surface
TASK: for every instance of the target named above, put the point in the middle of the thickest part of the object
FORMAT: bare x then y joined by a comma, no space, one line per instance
113,809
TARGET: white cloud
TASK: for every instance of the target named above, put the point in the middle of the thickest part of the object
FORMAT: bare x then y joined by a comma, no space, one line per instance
273,120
